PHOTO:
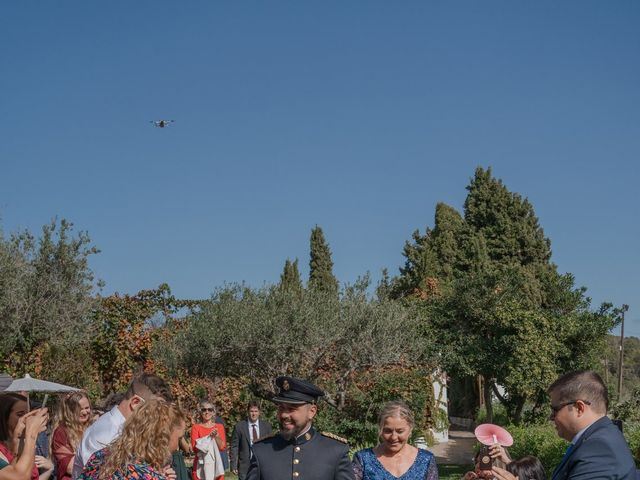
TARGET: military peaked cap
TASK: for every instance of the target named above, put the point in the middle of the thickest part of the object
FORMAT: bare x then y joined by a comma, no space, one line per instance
296,391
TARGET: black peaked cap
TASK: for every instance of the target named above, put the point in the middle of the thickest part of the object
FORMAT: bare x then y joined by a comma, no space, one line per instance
296,391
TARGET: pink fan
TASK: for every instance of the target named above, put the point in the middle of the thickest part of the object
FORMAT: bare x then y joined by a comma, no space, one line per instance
489,434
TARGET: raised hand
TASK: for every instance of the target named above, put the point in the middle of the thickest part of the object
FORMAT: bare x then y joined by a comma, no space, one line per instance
498,452
43,463
169,473
35,421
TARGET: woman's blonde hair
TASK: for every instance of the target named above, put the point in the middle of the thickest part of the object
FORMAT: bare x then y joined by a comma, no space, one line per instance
68,413
145,438
396,409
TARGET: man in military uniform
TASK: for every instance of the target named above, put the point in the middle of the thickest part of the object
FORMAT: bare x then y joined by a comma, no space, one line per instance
297,451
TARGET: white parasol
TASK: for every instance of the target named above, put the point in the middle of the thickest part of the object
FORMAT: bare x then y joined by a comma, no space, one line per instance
29,384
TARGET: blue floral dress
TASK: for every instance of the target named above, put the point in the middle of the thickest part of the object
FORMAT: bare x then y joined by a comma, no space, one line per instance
366,466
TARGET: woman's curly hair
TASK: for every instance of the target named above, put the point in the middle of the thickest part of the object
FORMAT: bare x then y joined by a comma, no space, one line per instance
67,416
144,438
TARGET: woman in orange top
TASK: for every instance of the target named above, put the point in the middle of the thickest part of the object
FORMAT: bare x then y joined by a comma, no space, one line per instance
207,426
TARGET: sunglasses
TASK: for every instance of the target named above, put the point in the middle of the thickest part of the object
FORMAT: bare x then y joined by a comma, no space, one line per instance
556,408
207,410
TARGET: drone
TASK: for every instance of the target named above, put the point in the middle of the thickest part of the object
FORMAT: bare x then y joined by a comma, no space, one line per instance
161,123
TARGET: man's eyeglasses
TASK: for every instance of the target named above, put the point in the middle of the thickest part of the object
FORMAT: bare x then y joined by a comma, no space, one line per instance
207,410
556,408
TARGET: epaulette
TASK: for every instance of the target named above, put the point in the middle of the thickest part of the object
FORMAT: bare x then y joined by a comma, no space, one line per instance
271,435
334,437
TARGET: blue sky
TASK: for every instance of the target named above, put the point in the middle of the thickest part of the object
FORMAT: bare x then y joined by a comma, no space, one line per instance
356,116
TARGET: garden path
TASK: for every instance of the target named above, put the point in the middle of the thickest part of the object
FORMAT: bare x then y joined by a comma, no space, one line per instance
458,450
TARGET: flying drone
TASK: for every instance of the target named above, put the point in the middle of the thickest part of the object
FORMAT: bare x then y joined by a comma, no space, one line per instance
161,123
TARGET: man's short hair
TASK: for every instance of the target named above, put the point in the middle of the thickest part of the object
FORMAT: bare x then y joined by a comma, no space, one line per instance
253,404
147,386
583,385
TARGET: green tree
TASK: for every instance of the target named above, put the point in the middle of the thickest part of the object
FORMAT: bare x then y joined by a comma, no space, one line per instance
321,278
290,278
46,302
128,327
506,221
499,300
261,334
433,259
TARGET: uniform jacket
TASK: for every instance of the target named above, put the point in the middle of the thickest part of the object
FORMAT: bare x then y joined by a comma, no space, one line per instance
600,453
311,456
240,451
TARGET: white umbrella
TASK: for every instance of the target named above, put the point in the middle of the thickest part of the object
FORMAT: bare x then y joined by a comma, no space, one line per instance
28,384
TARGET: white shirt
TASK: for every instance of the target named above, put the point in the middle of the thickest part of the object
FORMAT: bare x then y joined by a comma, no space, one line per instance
100,434
257,424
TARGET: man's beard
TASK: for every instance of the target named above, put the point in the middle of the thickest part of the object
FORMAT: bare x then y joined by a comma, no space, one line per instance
290,434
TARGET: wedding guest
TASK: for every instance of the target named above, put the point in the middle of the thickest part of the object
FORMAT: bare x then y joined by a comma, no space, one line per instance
245,433
394,457
16,425
74,417
207,426
579,403
105,429
143,449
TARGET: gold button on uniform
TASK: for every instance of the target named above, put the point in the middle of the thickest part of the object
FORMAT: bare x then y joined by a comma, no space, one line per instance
296,461
297,449
295,474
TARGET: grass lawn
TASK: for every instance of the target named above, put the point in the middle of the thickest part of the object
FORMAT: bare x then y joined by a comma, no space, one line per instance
453,472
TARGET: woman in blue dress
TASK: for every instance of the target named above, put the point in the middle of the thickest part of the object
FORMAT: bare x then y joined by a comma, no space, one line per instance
394,458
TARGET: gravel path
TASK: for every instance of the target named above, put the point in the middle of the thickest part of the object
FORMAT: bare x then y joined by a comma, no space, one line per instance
458,450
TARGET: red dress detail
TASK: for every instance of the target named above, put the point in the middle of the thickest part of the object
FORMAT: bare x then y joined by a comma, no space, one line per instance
199,431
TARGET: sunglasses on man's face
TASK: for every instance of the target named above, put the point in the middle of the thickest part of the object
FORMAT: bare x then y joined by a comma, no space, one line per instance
206,410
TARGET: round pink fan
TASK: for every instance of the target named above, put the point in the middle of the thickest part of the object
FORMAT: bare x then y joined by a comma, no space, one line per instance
489,434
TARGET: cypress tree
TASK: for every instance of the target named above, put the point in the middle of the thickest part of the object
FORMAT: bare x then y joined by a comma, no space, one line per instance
290,278
321,276
433,259
507,222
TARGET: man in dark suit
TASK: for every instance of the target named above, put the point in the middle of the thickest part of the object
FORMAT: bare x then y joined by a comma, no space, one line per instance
297,451
579,403
244,434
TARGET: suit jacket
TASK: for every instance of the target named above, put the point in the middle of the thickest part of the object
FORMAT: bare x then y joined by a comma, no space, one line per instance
240,451
600,453
311,456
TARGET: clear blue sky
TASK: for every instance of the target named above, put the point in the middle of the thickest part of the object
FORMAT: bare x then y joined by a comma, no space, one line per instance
356,116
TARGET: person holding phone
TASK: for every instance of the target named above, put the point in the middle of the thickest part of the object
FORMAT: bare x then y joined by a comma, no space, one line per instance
19,431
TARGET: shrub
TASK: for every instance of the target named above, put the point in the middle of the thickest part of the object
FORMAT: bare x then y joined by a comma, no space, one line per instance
541,441
632,434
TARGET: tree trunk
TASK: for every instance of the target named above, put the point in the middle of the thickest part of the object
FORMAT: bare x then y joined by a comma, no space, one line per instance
486,393
517,411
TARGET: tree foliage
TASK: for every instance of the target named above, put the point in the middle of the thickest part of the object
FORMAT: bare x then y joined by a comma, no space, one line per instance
290,278
497,304
321,276
46,301
128,325
261,334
